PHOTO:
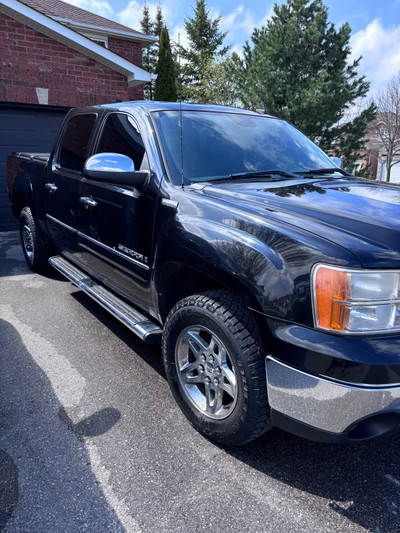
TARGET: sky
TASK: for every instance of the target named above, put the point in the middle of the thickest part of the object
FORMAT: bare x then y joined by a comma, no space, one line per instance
375,25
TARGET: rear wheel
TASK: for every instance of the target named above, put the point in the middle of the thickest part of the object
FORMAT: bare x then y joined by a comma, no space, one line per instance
35,250
216,367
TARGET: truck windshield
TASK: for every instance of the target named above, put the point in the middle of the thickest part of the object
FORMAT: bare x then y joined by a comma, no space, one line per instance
216,145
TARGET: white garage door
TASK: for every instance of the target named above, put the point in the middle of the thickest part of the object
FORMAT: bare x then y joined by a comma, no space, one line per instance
394,174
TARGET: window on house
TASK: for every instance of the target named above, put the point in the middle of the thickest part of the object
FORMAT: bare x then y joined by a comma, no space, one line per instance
101,43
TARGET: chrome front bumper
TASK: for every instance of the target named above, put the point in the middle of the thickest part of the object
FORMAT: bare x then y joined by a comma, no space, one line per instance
336,409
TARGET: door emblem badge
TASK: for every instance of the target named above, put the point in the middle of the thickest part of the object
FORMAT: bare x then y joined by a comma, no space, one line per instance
133,254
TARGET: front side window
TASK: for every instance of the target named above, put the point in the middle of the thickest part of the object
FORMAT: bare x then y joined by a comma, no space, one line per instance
121,136
214,145
74,145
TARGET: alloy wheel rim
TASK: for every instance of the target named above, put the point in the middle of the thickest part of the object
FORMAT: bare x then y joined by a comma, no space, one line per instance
28,241
206,372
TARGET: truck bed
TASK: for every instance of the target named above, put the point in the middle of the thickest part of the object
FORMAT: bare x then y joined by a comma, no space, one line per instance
25,179
33,156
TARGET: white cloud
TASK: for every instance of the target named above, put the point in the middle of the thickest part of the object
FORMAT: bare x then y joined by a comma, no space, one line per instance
132,14
245,19
268,14
227,21
99,7
166,9
241,21
379,47
237,50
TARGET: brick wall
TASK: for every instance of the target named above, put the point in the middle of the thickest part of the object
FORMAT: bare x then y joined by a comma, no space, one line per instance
133,53
29,60
127,49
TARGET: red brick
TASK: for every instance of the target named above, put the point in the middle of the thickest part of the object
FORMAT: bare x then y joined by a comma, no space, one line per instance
30,59
18,48
12,23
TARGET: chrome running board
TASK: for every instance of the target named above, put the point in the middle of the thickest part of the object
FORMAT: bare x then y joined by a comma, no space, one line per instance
144,328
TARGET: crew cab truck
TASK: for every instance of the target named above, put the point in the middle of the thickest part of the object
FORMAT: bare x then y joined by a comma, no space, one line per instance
270,276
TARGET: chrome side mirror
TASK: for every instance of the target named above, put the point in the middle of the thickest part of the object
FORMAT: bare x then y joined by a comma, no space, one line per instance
117,169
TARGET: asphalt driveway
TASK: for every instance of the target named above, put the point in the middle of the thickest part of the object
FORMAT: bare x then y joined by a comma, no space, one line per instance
91,439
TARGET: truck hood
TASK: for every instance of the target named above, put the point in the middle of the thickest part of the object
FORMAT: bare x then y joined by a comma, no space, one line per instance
361,216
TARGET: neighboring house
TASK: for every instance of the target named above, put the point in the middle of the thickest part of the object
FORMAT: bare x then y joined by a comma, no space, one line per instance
375,155
55,56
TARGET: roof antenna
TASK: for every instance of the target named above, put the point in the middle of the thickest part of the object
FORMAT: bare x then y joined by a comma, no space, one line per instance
180,107
262,111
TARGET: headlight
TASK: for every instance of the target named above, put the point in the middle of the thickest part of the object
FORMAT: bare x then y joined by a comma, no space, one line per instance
356,301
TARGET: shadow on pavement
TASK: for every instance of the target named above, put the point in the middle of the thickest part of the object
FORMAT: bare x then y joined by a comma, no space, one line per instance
92,426
150,353
8,488
12,261
362,478
46,479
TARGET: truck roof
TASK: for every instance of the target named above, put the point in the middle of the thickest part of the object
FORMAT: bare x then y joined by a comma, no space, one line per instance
150,105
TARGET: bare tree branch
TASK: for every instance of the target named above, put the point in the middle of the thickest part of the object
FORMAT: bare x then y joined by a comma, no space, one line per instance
386,125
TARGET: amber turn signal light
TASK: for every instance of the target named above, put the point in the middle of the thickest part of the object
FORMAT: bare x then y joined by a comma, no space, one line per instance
331,291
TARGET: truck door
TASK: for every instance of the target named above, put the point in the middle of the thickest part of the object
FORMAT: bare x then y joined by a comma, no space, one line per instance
61,188
115,223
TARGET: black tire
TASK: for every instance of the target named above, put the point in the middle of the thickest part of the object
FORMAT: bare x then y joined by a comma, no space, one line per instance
215,366
35,250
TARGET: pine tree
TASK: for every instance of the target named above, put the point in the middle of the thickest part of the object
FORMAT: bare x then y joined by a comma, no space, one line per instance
146,25
159,22
165,86
214,87
150,54
298,67
205,43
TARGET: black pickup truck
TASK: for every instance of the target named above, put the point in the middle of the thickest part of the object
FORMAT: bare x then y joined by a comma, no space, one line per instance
270,276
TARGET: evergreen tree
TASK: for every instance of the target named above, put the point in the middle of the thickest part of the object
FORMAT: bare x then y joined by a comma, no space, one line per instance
146,25
165,86
159,22
150,54
215,87
298,67
205,43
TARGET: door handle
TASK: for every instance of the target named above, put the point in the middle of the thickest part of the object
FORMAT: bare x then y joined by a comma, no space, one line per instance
89,203
51,187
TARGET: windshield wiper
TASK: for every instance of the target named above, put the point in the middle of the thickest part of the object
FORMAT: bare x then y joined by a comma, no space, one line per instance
322,171
262,174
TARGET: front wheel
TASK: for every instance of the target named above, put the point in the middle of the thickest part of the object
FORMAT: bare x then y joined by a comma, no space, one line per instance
216,367
35,250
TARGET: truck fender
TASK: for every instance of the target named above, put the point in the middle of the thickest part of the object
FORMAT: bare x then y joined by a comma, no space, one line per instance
228,256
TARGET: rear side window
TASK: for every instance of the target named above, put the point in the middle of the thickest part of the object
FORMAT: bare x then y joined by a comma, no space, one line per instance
74,145
120,135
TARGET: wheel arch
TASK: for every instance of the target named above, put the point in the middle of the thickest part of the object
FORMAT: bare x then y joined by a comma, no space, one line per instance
19,202
177,281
